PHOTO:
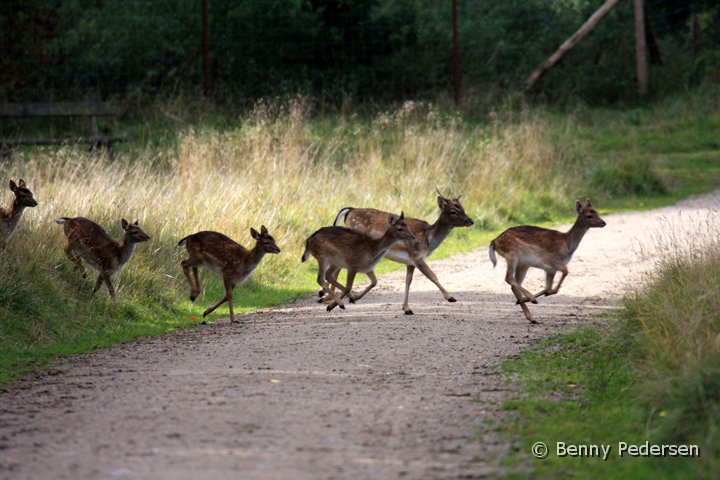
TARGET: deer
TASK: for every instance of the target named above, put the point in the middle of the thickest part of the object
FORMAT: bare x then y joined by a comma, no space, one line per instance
88,241
10,216
427,238
336,247
549,250
221,254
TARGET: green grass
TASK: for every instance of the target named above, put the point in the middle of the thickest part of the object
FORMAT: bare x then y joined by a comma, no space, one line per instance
204,168
649,372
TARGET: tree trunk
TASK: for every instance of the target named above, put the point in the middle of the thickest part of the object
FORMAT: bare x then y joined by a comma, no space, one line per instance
569,43
640,48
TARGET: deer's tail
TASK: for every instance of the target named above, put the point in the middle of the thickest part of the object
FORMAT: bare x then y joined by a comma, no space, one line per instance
341,216
491,251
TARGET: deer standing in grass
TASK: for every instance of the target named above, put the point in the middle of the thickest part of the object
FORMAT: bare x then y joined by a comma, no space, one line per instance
339,247
10,217
230,259
524,247
427,238
88,241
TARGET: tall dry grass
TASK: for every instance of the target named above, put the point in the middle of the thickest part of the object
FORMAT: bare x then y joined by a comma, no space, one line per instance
278,168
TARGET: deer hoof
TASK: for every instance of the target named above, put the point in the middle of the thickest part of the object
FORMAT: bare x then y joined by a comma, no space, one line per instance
451,299
534,322
193,296
351,300
409,312
321,293
331,306
342,307
206,313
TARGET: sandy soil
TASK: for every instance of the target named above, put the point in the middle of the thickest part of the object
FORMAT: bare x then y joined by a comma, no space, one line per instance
298,393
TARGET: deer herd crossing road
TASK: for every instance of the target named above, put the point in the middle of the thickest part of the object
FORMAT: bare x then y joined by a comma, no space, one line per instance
298,393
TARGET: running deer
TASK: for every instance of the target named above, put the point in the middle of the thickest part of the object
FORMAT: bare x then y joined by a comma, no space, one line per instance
339,247
10,217
88,241
550,250
230,259
427,238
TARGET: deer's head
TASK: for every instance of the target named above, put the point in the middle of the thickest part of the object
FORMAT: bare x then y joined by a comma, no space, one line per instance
133,232
452,211
587,216
23,195
398,228
265,240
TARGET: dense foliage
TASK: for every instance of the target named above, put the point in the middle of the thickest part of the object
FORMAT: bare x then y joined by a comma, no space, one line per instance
334,49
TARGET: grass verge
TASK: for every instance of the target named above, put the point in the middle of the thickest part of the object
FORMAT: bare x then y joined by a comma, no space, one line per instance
650,373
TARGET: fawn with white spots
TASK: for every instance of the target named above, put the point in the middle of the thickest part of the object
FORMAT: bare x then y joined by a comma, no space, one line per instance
339,247
427,238
526,246
223,255
88,241
10,216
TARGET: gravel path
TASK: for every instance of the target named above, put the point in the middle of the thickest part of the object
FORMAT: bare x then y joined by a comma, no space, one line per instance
298,393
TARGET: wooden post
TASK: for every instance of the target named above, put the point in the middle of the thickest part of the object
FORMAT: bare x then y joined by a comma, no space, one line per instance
206,48
456,53
569,43
641,48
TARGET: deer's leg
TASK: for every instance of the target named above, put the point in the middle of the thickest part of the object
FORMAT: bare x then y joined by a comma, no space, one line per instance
194,285
212,309
512,281
520,273
111,290
408,280
197,280
70,253
563,269
523,304
549,277
373,282
98,282
229,296
321,279
331,276
343,290
431,275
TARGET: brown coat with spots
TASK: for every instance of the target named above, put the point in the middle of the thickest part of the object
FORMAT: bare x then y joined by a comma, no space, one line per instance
223,255
526,246
10,217
427,238
88,241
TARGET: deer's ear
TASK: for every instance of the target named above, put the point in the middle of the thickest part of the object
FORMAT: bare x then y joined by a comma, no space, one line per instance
21,183
135,222
124,224
587,203
13,187
254,234
263,230
392,219
442,202
578,206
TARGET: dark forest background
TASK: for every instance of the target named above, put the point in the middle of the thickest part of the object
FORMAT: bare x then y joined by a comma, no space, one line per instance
55,50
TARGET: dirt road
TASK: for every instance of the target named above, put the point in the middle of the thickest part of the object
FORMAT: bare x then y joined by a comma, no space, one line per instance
298,393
